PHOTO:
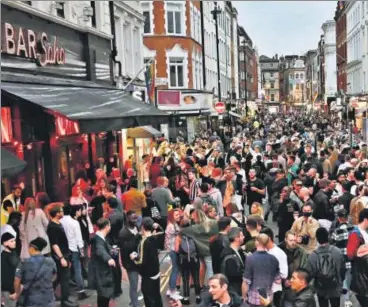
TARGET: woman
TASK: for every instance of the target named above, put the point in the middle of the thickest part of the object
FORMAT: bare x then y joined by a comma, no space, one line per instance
202,232
36,274
77,199
181,183
257,209
171,232
33,225
42,200
210,212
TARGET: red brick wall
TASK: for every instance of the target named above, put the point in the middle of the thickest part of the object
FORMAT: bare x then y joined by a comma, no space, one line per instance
161,42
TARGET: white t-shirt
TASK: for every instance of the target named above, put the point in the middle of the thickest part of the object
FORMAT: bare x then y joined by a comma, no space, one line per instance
283,264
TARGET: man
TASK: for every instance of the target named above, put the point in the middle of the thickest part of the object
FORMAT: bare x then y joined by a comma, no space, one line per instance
323,209
193,183
217,158
227,187
216,196
299,282
134,200
253,229
296,258
295,194
327,266
357,238
293,169
311,181
255,190
76,245
346,198
339,238
100,273
219,243
148,264
261,271
233,260
60,253
129,240
10,203
218,294
305,228
280,255
116,219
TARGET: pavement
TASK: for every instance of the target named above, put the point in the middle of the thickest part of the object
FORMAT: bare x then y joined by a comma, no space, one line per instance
165,269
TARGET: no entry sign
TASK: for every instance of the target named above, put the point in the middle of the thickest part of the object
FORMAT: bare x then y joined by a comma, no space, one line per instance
220,107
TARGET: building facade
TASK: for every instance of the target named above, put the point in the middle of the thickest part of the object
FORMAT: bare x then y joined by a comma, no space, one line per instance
356,39
311,76
129,24
330,68
341,46
270,78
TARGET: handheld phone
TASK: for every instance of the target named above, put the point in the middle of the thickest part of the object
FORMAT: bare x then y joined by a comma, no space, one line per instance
262,292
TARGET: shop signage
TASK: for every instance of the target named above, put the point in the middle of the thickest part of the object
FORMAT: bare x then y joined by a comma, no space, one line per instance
220,107
28,44
161,81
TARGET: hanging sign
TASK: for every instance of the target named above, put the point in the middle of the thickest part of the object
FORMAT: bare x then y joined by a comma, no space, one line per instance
220,107
28,44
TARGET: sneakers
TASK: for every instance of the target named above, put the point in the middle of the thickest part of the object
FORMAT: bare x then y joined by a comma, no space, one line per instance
175,296
348,304
83,295
185,301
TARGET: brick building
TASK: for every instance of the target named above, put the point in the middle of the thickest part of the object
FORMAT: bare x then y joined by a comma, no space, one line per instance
248,67
341,45
173,38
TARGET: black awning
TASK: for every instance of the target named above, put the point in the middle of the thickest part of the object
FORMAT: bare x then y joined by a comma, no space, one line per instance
95,109
145,132
10,164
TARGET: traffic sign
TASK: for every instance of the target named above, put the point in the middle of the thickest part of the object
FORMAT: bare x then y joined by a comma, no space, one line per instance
220,107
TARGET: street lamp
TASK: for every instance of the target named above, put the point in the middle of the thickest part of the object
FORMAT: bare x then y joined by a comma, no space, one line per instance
245,44
215,12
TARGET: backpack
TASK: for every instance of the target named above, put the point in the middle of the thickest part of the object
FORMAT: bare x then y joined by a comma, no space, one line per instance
326,275
187,248
209,201
155,212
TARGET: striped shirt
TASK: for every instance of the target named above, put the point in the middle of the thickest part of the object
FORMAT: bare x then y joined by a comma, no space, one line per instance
193,190
339,238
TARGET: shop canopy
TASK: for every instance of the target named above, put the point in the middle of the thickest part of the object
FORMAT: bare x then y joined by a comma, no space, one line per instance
95,108
145,132
10,164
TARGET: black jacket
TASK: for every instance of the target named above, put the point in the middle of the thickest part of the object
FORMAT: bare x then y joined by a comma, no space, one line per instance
216,247
323,209
207,301
345,200
359,272
233,268
116,219
100,274
147,261
128,243
305,298
9,263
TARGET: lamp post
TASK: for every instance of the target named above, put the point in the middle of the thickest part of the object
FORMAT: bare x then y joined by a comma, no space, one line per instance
245,76
215,12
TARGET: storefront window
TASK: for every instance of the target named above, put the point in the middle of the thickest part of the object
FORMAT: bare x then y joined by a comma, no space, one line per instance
6,125
65,126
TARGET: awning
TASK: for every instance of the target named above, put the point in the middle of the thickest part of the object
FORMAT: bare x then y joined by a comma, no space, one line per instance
96,109
145,132
10,164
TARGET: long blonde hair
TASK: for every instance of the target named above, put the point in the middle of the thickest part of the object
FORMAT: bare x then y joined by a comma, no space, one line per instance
203,219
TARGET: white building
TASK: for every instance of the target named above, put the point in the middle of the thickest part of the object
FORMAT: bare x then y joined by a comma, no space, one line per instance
357,41
225,20
129,24
330,67
235,55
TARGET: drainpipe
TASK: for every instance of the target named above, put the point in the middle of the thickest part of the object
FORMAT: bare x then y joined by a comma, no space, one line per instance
114,51
203,47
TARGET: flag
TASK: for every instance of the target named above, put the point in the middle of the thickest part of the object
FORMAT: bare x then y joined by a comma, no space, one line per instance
150,82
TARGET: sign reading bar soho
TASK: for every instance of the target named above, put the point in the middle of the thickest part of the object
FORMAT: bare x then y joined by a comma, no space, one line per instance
28,44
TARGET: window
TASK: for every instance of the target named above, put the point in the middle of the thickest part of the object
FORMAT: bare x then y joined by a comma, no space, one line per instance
60,9
272,85
272,97
93,18
174,18
301,76
297,76
176,72
291,87
147,22
297,87
271,65
272,75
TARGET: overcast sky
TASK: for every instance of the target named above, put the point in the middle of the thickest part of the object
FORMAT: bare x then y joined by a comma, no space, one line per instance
284,27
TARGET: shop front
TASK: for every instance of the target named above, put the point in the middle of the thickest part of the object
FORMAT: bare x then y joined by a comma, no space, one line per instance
189,110
59,109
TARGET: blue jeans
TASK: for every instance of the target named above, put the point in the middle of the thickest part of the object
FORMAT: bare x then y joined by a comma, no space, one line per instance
133,288
175,270
139,221
77,267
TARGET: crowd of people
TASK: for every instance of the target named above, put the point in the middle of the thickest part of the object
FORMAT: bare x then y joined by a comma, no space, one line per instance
273,213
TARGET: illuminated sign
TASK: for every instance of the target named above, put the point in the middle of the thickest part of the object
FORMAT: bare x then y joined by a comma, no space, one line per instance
28,44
